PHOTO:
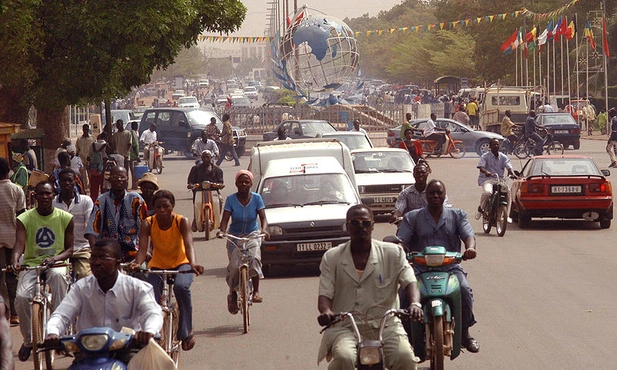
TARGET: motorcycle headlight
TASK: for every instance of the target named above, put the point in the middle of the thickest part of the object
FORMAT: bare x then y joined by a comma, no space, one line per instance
205,185
369,355
94,342
188,134
71,347
434,259
117,344
275,230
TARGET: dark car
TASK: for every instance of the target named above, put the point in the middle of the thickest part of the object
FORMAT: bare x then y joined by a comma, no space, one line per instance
562,126
474,140
301,129
562,186
178,128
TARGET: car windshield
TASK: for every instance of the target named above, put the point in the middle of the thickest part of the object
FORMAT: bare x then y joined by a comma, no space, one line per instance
352,141
386,161
187,100
200,117
558,118
316,127
307,189
563,167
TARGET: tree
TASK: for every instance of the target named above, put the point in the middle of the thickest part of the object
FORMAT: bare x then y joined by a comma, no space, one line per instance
75,52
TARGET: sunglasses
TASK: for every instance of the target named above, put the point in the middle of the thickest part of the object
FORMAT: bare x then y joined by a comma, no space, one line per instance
360,223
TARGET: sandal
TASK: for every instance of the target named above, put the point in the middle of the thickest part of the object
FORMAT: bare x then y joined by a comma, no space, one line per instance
188,343
232,303
24,353
257,298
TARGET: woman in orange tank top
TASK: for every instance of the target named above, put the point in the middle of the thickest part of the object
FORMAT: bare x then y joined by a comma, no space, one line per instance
172,243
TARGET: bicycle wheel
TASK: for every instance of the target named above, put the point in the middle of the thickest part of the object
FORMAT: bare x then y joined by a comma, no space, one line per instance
458,151
206,217
175,342
486,222
501,223
37,334
244,297
554,148
521,151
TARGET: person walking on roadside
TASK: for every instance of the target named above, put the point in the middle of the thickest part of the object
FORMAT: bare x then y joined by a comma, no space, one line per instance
12,203
611,146
83,147
227,141
472,112
405,126
134,153
121,142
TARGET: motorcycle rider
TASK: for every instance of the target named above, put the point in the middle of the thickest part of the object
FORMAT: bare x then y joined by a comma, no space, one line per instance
148,137
363,275
492,165
428,132
530,132
204,143
437,225
205,171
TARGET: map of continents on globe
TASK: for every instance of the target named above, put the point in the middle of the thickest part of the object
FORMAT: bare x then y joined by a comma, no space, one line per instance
316,36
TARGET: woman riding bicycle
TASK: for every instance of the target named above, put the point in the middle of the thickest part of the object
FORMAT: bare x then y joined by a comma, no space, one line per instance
243,208
172,243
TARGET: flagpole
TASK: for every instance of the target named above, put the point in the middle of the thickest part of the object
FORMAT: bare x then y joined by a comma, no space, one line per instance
568,59
605,59
539,67
534,69
561,57
577,72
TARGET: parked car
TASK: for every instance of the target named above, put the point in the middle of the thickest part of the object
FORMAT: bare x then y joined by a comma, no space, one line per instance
240,102
474,140
271,94
178,128
251,92
563,186
177,94
188,102
301,129
562,126
353,139
381,174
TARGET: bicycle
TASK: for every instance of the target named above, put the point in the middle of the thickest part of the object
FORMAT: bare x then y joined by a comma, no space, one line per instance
244,289
206,222
496,212
526,147
41,311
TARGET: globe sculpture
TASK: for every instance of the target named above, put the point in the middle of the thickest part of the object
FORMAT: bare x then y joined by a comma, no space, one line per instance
316,53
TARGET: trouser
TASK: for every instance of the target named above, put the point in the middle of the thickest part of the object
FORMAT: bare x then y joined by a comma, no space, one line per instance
96,184
539,141
473,121
396,348
611,149
233,254
487,191
81,263
217,203
57,282
133,178
223,151
8,284
439,138
182,291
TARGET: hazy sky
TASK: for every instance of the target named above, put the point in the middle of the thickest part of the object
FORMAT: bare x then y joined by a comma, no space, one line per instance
255,21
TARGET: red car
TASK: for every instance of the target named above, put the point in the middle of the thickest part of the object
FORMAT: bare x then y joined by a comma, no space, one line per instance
562,186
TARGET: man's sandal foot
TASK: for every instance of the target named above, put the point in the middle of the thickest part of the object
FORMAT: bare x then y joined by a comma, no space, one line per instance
188,343
24,353
232,303
257,298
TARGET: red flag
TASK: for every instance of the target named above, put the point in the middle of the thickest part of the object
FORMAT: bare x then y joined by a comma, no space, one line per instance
563,28
509,41
605,38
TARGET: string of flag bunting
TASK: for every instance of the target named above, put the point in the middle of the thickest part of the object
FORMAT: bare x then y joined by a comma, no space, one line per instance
426,27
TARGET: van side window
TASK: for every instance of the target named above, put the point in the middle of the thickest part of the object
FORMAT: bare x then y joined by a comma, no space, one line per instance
163,119
150,118
177,117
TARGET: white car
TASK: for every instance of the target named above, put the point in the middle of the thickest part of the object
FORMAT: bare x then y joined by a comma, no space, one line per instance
177,94
381,174
251,92
188,102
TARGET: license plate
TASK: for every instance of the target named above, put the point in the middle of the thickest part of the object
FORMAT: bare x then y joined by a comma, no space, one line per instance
384,199
561,131
563,189
309,247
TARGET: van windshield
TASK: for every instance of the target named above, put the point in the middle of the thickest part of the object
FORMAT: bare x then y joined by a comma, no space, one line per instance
200,117
308,189
506,100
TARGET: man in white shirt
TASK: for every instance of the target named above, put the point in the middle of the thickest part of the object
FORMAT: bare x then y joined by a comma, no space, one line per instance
108,299
80,206
428,131
148,137
203,143
356,127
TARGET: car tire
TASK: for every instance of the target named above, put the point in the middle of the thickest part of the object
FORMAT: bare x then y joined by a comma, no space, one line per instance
240,151
577,145
483,146
523,220
605,223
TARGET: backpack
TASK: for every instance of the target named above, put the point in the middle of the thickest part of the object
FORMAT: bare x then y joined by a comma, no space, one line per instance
97,158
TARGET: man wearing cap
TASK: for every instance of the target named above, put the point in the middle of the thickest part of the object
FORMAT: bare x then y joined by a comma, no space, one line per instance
204,143
148,184
205,171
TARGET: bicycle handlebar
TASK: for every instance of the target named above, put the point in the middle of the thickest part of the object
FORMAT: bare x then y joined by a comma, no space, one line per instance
239,238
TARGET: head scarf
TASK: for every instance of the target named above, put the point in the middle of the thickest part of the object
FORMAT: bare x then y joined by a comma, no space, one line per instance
244,172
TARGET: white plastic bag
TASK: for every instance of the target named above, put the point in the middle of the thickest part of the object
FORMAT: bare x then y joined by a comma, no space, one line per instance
151,357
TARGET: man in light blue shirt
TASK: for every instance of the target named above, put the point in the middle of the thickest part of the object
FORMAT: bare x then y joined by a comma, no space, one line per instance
492,166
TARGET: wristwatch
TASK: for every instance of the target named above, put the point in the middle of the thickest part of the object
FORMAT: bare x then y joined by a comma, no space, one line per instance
417,304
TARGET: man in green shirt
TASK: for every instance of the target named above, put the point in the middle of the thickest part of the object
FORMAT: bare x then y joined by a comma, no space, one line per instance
45,236
405,125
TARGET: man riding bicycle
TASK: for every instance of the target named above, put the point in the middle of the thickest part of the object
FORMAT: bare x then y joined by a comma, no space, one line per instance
492,165
530,132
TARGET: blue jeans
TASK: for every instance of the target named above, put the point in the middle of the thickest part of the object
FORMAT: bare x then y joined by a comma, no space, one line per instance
182,290
539,142
223,150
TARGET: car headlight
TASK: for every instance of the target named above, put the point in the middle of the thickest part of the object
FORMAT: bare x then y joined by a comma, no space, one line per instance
94,342
275,230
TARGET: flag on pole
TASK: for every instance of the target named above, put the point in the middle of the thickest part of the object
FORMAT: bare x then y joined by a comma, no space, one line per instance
507,45
589,34
519,39
570,31
563,27
605,38
530,38
553,32
542,39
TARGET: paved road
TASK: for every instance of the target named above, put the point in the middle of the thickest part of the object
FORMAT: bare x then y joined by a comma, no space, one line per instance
542,296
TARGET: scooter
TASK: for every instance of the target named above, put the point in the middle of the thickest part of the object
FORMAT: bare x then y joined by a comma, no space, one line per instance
206,216
455,148
96,346
370,351
439,334
155,156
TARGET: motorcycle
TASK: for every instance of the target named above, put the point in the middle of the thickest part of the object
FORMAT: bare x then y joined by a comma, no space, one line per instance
155,156
206,215
370,351
455,148
96,347
439,334
496,212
